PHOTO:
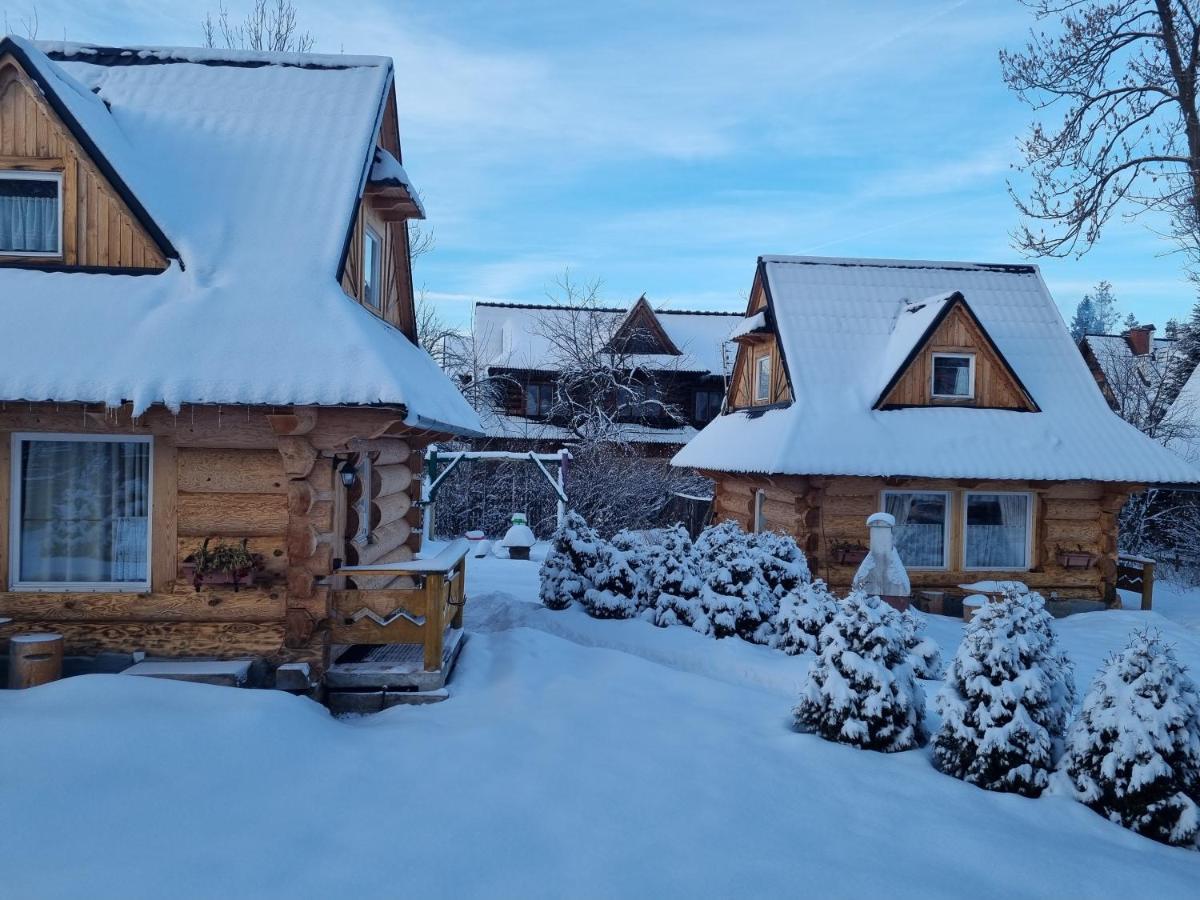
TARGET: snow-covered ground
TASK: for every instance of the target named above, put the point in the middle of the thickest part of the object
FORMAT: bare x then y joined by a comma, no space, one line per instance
574,758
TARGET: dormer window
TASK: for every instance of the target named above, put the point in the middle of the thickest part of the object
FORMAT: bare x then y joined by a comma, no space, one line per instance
953,376
762,379
372,268
30,214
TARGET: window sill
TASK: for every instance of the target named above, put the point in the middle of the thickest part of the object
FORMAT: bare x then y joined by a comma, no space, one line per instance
81,588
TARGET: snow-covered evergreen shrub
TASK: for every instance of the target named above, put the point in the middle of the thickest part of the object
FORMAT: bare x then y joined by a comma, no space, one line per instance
861,690
566,571
1133,753
784,566
737,596
802,615
643,552
613,586
1006,698
924,655
676,579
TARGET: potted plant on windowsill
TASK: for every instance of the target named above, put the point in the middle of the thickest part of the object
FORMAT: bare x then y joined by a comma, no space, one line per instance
1075,559
223,563
844,553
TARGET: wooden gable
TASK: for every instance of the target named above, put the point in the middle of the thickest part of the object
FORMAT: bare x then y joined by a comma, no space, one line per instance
956,330
381,214
642,332
753,346
99,228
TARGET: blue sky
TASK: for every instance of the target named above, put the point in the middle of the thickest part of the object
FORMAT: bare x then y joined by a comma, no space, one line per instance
662,147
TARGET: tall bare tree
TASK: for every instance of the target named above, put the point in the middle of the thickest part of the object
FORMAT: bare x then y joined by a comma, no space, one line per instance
1123,73
267,26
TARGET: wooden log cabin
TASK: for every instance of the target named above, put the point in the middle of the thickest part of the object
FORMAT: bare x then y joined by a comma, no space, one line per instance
208,328
947,394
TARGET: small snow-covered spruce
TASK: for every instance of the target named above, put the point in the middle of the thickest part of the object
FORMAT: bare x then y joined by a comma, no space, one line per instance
643,554
676,579
611,594
1133,753
802,615
736,596
861,690
1006,699
565,572
784,565
924,655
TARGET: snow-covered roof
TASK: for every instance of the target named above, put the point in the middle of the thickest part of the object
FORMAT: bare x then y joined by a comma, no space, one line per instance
749,325
498,425
1113,352
513,336
836,319
250,166
1185,412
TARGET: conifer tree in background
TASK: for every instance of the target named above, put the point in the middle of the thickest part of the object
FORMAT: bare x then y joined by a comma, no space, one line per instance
1006,699
1084,321
861,690
1186,355
1130,322
566,571
1133,754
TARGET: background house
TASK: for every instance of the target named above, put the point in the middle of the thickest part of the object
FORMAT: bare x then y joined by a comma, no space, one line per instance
948,394
208,333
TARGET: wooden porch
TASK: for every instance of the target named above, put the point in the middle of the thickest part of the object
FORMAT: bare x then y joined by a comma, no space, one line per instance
397,632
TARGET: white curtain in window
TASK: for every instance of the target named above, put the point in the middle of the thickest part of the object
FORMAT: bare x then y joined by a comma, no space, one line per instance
920,534
1000,542
28,223
85,509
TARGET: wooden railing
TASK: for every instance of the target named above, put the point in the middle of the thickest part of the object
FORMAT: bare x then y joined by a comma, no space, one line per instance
405,615
1136,573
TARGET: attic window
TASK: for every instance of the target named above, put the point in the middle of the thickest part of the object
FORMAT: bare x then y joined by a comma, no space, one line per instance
762,379
30,214
954,376
372,269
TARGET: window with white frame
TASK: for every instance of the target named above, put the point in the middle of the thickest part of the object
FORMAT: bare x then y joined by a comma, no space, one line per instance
998,527
954,376
372,268
762,379
30,213
922,526
80,515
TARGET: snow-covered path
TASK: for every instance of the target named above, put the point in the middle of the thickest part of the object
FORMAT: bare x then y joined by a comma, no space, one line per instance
574,758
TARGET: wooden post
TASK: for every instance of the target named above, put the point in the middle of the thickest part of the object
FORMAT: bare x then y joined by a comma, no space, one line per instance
563,456
34,659
1147,585
435,602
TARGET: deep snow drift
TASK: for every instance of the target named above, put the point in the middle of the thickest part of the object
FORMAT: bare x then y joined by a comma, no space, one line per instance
574,757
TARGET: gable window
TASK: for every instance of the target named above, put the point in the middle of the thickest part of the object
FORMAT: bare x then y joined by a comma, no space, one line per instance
30,214
954,376
708,405
922,526
998,529
539,399
372,268
80,514
762,379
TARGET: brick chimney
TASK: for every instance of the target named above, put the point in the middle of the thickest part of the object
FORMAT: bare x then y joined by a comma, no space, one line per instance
1139,339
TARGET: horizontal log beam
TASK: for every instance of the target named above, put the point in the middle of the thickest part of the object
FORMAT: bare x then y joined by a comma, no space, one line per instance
217,604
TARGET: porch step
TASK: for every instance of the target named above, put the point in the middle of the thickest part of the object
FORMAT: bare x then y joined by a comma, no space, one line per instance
392,669
225,672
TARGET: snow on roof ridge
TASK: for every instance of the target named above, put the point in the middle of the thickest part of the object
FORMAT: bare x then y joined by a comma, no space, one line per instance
885,263
517,304
105,55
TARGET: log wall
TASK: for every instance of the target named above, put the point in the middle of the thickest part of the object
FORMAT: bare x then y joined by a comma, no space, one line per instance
822,511
264,474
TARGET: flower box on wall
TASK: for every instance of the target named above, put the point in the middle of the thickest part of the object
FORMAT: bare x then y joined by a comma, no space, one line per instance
1076,559
848,554
225,564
